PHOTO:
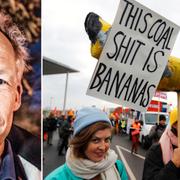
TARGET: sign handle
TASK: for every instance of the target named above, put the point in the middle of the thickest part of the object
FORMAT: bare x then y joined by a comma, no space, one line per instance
178,111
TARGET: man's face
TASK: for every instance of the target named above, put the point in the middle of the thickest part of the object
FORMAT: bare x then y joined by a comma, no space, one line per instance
162,122
10,90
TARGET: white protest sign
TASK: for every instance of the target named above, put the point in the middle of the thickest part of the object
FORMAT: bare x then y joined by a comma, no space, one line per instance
134,57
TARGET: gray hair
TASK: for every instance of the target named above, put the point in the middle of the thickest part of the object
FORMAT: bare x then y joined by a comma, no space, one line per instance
18,41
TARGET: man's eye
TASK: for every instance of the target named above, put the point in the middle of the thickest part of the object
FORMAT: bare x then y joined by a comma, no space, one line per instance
3,82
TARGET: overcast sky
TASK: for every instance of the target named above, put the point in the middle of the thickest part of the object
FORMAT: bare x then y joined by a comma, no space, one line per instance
65,40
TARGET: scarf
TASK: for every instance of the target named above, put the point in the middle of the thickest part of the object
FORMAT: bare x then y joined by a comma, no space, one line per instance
167,140
87,169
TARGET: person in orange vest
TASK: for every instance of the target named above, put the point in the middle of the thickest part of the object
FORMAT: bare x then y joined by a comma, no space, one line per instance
135,131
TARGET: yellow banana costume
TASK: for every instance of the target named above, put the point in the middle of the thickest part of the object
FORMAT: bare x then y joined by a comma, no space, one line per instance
98,29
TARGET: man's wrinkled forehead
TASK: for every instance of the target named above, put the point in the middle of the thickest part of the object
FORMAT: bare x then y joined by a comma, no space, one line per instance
7,58
5,44
16,41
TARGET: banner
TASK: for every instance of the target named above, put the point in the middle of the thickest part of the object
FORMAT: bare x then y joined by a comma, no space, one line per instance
134,57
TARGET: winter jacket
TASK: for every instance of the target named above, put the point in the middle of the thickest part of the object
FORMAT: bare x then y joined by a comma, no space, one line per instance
156,132
64,173
65,130
52,124
154,168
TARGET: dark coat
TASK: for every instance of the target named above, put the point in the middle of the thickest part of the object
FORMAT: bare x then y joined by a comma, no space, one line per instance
11,166
156,132
65,130
26,145
52,124
154,168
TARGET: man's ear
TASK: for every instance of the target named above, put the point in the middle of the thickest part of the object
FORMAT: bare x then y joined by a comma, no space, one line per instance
18,93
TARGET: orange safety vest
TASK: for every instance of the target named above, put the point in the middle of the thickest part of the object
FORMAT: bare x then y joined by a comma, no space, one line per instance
136,126
136,129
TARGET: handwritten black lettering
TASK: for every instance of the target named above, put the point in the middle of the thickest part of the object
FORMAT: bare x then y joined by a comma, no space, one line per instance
125,10
111,82
126,87
107,80
126,47
118,83
145,22
101,69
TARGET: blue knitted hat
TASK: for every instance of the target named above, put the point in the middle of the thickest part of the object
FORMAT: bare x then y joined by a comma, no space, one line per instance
87,116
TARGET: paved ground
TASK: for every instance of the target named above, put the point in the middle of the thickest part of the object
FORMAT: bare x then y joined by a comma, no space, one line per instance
120,143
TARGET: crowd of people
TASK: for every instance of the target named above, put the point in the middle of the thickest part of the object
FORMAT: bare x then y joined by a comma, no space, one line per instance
89,155
64,125
86,137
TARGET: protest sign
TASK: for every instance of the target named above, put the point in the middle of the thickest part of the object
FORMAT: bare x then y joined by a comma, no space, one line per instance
134,57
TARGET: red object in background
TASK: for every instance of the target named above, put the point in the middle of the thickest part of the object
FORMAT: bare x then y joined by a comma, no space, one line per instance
155,106
117,112
135,132
126,110
45,136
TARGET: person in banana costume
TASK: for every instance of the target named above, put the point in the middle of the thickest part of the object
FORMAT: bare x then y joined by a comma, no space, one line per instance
98,29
